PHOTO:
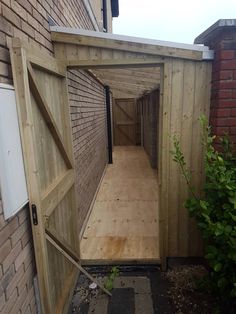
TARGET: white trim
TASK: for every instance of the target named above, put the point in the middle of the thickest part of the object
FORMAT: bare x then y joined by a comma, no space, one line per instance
91,14
82,32
6,86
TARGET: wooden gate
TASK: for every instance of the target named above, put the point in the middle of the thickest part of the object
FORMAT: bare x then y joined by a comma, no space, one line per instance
43,111
124,122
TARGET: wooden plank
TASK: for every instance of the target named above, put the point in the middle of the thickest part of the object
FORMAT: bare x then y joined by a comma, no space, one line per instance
186,143
132,78
174,171
165,148
56,192
126,46
110,63
44,108
20,74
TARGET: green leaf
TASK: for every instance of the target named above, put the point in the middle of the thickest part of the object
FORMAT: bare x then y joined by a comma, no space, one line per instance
233,201
217,267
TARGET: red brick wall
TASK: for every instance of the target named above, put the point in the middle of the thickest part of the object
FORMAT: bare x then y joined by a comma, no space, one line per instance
223,95
28,19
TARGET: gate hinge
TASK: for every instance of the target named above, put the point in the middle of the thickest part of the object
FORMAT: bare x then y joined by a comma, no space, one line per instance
34,214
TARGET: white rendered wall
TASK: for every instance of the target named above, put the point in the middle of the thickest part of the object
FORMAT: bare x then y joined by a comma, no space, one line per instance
12,175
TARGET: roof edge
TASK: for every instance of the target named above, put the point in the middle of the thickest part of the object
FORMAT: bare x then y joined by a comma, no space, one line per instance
214,30
83,32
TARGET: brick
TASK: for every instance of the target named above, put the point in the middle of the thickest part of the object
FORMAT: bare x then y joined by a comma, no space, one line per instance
23,215
11,257
26,28
3,40
37,16
22,256
11,16
27,278
220,130
233,111
27,236
227,84
14,281
19,10
33,22
26,305
2,302
5,250
4,69
4,55
10,303
5,26
233,130
41,10
6,2
17,235
226,75
19,34
7,231
2,222
26,4
226,103
222,112
224,94
20,301
229,64
39,38
227,54
7,277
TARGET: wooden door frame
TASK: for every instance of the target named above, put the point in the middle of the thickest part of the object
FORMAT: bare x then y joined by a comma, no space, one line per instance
23,57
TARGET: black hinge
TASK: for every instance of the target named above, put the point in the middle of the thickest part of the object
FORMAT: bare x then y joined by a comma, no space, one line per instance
34,214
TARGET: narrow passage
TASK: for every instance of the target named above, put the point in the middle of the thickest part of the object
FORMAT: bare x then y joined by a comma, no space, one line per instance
123,226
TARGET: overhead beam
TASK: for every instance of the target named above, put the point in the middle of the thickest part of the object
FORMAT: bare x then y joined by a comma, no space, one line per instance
110,43
130,78
137,73
113,63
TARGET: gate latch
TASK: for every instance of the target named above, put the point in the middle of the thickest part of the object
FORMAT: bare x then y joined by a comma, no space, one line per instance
34,214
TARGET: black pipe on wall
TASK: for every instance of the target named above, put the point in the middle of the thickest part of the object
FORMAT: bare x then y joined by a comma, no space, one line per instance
109,130
104,11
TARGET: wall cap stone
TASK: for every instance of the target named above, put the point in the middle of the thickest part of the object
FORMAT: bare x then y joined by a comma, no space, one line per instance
214,30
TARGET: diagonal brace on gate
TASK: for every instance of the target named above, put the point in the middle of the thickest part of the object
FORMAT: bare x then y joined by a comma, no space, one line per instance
72,257
46,113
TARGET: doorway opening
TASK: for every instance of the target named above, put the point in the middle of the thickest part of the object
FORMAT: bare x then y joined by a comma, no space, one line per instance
123,224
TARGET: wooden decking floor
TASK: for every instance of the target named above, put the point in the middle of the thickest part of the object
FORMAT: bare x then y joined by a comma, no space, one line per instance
123,225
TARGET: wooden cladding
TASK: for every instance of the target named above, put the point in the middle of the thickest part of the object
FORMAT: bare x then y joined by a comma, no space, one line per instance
185,97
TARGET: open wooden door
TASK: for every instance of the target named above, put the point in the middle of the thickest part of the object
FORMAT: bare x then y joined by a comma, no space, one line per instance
124,122
40,84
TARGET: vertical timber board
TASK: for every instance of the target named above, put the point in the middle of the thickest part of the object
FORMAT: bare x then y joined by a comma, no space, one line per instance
174,171
164,160
20,75
201,106
186,143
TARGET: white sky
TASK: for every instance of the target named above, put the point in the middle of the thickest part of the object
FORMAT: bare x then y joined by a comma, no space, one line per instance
172,20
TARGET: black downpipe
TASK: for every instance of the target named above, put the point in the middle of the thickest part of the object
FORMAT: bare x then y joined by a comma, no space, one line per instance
109,131
104,11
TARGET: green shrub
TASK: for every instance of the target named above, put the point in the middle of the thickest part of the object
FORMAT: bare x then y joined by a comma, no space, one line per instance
215,212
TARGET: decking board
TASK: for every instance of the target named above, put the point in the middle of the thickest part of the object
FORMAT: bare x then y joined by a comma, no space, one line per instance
124,222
